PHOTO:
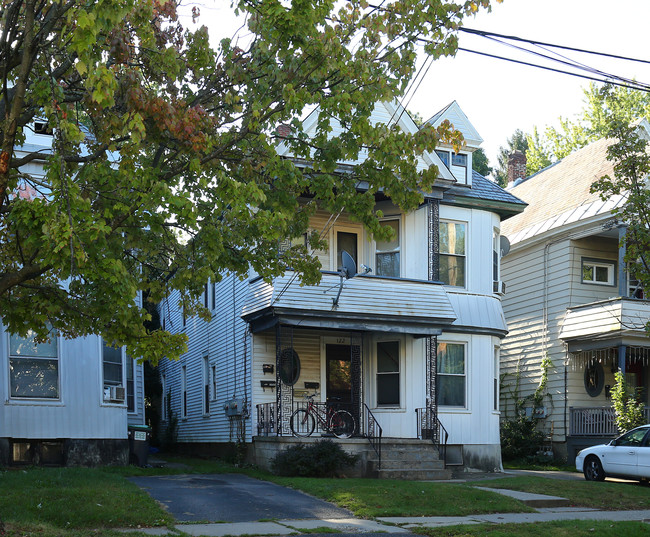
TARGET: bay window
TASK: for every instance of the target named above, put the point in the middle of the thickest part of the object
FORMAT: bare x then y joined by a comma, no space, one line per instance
387,253
451,389
452,253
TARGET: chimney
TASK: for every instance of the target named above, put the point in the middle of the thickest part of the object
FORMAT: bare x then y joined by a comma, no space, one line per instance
516,167
284,131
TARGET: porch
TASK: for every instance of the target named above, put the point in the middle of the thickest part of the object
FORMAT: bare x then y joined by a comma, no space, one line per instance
589,426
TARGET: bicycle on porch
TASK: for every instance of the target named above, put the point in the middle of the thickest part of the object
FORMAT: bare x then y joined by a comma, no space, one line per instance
338,422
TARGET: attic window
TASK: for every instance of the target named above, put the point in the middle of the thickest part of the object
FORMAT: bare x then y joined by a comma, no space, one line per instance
41,127
458,159
444,156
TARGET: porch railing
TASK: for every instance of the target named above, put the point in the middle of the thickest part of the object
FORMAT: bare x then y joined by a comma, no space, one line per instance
429,427
367,425
595,421
370,428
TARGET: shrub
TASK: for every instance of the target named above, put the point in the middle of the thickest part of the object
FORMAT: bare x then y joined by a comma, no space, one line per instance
520,437
628,406
323,458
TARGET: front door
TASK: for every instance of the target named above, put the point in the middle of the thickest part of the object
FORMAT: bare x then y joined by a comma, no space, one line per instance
338,373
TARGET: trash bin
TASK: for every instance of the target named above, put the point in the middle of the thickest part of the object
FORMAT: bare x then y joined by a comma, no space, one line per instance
139,437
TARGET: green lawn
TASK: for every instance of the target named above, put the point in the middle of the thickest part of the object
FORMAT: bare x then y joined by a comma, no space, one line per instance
385,497
608,496
75,498
572,528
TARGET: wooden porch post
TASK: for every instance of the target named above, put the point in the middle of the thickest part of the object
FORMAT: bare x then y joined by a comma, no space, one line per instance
622,351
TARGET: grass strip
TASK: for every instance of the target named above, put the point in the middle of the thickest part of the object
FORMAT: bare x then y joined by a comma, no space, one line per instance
565,528
76,498
606,496
371,498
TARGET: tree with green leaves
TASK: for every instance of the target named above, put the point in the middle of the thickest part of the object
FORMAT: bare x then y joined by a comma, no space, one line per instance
628,408
630,156
480,162
164,170
518,141
602,106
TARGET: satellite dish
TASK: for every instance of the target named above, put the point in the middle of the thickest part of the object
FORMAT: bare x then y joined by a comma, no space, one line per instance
349,268
504,244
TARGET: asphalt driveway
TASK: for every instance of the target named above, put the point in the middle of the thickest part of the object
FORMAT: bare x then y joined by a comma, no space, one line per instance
233,498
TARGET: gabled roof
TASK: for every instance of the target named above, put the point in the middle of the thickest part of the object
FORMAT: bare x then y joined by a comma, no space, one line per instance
387,113
560,194
458,119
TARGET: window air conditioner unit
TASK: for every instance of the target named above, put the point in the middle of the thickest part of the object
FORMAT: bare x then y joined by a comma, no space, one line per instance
499,287
114,393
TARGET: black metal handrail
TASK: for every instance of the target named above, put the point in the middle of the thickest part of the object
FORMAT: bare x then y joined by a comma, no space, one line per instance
266,419
431,428
371,429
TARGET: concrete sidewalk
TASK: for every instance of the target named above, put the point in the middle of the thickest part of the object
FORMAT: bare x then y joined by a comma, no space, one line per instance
402,525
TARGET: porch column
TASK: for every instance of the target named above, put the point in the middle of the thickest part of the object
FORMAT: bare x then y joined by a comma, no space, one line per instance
622,273
622,351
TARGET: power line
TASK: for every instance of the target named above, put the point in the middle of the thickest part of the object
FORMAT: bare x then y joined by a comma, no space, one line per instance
484,33
635,86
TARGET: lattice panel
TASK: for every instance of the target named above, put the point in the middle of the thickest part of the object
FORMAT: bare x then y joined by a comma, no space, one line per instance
433,234
283,392
356,359
431,411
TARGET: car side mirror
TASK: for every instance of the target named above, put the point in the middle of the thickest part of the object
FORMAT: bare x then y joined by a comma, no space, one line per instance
613,442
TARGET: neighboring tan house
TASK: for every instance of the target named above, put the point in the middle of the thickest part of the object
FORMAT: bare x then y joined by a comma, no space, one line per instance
571,299
412,342
65,402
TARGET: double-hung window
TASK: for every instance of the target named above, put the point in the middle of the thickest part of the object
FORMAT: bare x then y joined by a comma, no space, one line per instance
451,387
206,385
346,241
33,367
183,391
452,253
113,370
388,373
387,253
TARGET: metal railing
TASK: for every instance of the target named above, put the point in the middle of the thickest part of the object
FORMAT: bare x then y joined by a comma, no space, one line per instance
370,428
367,425
429,427
595,421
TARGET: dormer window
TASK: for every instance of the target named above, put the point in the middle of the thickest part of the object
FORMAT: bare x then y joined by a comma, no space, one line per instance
41,127
444,156
459,159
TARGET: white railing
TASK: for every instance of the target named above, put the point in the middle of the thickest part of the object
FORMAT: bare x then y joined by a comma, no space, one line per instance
595,421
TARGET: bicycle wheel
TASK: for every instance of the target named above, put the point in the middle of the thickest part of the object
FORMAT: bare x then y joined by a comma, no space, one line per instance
342,424
302,423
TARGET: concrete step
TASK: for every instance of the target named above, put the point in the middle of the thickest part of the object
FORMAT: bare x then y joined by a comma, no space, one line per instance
396,464
415,475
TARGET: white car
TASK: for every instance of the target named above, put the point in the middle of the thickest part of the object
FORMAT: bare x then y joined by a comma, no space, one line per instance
627,456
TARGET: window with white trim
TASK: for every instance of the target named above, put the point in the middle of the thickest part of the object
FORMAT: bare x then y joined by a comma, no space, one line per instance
496,257
444,156
206,385
164,400
214,382
184,391
33,367
348,241
130,384
451,389
388,373
387,253
495,380
452,256
113,373
459,159
598,272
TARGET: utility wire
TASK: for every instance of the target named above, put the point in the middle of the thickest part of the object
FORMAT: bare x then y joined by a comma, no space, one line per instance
635,86
574,49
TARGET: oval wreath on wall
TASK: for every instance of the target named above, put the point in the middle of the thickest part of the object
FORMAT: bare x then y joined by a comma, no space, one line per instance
289,366
594,379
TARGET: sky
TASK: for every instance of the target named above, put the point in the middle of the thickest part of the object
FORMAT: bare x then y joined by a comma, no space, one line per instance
499,97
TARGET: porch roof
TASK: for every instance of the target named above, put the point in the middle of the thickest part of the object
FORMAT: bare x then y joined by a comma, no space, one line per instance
606,322
366,303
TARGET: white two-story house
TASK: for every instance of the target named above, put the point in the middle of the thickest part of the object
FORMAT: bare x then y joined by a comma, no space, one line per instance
409,348
65,402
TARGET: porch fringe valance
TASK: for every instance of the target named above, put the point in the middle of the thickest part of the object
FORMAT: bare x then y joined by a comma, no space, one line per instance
609,357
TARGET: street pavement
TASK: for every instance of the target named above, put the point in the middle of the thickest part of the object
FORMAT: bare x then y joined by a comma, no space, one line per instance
241,505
